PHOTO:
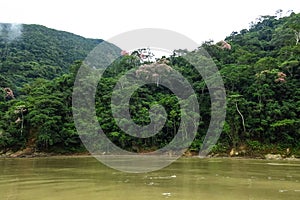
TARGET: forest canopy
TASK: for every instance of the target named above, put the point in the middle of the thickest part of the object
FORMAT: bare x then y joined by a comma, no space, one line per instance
260,67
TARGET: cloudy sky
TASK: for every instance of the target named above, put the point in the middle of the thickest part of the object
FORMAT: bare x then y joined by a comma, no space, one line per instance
198,20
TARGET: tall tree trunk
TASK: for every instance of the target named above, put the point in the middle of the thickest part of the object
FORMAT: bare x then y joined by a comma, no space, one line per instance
297,36
243,121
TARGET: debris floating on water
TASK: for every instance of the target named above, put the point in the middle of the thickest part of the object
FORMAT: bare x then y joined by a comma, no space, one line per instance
168,194
283,190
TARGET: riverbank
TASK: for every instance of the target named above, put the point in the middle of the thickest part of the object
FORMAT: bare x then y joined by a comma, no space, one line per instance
30,153
188,154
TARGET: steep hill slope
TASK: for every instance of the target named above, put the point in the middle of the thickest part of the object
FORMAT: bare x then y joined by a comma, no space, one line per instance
260,67
34,51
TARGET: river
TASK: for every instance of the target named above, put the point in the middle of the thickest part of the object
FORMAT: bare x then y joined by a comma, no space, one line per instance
84,178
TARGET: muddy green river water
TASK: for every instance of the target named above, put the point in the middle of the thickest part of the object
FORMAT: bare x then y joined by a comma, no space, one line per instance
84,178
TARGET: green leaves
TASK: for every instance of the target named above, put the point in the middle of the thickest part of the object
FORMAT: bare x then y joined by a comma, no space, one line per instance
261,73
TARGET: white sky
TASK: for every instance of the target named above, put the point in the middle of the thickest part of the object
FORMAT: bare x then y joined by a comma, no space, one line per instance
196,19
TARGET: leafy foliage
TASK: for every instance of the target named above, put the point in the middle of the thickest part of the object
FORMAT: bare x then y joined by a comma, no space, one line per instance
261,72
39,52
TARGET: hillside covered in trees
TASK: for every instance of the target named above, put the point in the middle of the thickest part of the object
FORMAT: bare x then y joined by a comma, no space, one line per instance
28,52
260,67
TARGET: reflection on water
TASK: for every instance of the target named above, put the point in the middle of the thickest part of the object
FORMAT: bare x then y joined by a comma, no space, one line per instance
84,178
